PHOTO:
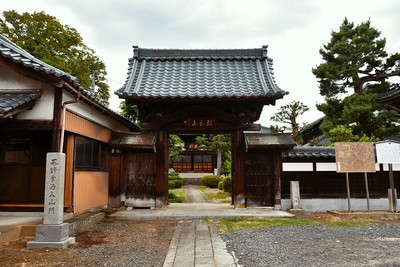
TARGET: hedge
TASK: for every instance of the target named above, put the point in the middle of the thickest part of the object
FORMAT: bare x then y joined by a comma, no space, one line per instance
210,181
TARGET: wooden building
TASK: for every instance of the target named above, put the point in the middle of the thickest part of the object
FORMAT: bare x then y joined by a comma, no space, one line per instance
193,159
43,109
391,98
221,91
322,188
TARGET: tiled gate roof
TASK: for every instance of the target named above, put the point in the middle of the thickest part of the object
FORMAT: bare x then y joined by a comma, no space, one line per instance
200,74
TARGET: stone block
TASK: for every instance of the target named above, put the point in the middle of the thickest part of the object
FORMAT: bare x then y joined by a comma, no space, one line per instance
50,233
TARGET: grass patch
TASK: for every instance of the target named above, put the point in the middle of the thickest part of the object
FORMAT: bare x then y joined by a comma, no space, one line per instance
179,195
216,195
239,224
346,224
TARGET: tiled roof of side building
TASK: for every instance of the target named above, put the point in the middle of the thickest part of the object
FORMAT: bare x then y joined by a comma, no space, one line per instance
200,74
9,50
309,152
13,52
14,99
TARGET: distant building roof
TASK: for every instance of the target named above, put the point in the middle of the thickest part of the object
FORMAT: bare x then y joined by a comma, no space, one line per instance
389,95
200,74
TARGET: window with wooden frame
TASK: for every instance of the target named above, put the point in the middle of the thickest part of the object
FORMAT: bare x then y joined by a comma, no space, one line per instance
90,154
15,151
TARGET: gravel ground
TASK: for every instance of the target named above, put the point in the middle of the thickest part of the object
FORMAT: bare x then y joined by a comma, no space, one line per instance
109,243
369,245
145,243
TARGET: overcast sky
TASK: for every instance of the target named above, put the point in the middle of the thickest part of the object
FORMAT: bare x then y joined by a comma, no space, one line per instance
293,30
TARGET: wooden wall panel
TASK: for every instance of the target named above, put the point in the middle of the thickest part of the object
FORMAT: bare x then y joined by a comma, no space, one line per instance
90,190
69,171
79,125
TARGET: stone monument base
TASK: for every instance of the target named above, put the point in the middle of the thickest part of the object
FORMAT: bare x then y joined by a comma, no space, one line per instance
51,236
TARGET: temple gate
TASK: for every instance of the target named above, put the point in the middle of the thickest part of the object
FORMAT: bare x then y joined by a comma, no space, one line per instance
220,91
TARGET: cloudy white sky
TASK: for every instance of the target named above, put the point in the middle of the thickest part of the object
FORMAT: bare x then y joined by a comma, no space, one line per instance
293,30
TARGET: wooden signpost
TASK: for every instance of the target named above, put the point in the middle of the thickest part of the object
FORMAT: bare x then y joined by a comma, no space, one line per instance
355,157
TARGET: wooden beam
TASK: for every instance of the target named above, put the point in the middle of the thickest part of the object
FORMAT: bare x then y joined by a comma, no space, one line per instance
23,125
203,111
220,128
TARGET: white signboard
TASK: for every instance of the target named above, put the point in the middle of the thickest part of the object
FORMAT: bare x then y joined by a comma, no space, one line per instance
388,152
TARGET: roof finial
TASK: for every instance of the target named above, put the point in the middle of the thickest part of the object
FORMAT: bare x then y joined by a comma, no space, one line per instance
265,50
135,50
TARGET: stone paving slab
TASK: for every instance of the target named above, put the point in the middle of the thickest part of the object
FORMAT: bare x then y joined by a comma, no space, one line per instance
198,244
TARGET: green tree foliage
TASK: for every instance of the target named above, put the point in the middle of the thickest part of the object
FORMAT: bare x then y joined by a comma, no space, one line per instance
355,69
343,133
226,167
59,45
215,142
176,145
288,114
130,112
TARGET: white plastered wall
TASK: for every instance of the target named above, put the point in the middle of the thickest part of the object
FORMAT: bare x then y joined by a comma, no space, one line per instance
43,109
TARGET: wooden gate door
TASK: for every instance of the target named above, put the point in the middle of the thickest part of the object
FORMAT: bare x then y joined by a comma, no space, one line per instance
259,179
139,176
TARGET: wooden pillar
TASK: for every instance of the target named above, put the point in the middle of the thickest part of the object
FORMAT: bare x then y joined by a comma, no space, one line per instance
238,150
161,181
56,127
277,179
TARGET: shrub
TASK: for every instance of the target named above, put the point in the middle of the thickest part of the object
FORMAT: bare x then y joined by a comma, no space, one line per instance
174,178
227,186
221,185
178,183
210,181
171,195
173,175
171,184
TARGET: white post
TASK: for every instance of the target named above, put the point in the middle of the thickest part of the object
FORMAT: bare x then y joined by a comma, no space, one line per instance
295,194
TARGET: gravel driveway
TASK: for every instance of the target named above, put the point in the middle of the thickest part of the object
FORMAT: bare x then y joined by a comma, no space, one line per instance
370,245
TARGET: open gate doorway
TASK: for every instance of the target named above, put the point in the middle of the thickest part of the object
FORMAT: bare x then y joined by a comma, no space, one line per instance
202,91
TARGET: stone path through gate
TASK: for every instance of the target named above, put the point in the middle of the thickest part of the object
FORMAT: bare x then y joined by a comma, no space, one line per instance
194,195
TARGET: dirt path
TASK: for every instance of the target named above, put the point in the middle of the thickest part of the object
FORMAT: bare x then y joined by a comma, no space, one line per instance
194,195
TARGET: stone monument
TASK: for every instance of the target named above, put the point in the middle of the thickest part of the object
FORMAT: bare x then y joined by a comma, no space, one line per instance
53,233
